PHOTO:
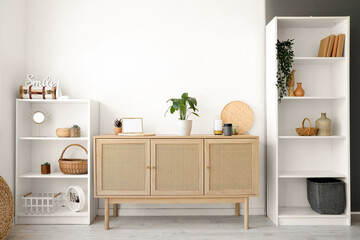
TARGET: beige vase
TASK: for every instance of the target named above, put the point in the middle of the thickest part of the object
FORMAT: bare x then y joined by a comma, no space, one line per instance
324,125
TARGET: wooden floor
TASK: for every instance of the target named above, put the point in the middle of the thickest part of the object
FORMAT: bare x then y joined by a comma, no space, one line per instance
188,228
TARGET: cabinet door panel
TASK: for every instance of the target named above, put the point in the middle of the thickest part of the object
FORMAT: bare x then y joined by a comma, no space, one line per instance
177,167
122,167
231,167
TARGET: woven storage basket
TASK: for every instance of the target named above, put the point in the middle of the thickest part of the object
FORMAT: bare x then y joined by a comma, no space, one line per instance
326,195
72,165
6,209
306,131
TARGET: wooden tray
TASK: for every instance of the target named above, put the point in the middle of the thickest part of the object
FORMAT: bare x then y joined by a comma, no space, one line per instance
239,114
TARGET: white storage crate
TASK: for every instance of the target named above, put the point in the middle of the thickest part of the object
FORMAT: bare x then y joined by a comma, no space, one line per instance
41,203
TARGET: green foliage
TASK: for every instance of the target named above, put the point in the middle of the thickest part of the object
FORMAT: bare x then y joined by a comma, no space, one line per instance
75,126
285,56
117,123
46,164
183,105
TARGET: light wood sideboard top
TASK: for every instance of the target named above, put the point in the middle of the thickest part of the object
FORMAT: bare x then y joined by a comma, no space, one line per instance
164,136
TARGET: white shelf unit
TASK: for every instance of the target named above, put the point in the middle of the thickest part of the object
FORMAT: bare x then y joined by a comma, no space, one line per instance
292,159
36,145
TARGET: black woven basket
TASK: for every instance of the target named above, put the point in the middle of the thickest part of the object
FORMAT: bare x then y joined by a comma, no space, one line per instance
326,195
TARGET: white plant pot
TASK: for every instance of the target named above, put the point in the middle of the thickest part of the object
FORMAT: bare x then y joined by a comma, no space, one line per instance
184,127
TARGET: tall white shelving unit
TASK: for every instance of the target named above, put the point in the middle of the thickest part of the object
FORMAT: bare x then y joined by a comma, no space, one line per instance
35,146
291,158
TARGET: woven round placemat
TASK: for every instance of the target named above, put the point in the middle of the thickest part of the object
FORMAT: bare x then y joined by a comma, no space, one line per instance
239,114
6,209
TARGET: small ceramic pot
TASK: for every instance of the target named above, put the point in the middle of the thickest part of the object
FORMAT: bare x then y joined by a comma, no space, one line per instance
117,130
45,169
75,132
184,127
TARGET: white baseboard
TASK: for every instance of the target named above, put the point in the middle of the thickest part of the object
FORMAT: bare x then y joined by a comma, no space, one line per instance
181,211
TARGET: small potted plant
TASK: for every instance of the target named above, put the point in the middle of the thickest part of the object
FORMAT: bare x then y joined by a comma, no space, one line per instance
186,106
75,131
117,126
45,168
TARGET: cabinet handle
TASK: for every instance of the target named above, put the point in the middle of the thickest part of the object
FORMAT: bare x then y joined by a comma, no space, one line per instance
207,167
148,167
154,167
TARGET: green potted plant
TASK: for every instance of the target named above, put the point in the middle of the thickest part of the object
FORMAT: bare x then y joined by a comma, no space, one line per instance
45,168
117,126
75,131
285,57
186,106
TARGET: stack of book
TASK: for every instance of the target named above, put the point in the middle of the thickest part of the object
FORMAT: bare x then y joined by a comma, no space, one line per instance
332,46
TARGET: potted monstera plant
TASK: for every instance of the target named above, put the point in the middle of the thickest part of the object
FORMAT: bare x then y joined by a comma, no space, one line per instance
186,106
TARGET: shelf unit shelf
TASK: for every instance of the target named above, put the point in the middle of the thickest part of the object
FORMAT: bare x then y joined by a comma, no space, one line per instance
312,98
311,174
317,60
291,159
36,144
311,137
52,175
301,212
54,139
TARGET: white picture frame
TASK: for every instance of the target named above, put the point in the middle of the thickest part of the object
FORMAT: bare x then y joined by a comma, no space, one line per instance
132,125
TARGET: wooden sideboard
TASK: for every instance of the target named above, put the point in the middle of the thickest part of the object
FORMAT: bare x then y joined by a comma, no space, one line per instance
176,169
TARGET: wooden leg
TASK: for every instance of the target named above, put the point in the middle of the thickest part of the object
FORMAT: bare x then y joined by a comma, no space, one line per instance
246,215
237,209
115,210
107,213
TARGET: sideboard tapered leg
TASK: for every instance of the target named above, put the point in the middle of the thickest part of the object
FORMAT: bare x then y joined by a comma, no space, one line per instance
107,213
246,215
237,209
115,210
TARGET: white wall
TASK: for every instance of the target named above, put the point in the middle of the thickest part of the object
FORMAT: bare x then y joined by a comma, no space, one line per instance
134,55
12,71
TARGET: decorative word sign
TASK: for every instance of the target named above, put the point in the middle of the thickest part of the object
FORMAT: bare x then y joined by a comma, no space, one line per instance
45,82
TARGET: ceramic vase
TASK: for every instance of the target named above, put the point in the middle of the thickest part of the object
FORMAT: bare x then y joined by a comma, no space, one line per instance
299,92
184,127
75,132
324,125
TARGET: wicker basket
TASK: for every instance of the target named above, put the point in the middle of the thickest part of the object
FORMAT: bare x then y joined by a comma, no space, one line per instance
71,165
6,209
306,131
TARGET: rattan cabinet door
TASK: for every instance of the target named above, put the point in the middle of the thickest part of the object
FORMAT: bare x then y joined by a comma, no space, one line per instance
177,167
231,166
122,167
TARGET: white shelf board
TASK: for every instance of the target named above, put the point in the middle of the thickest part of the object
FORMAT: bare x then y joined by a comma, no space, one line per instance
317,60
300,212
311,137
309,22
310,174
52,175
313,98
54,138
61,212
54,100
